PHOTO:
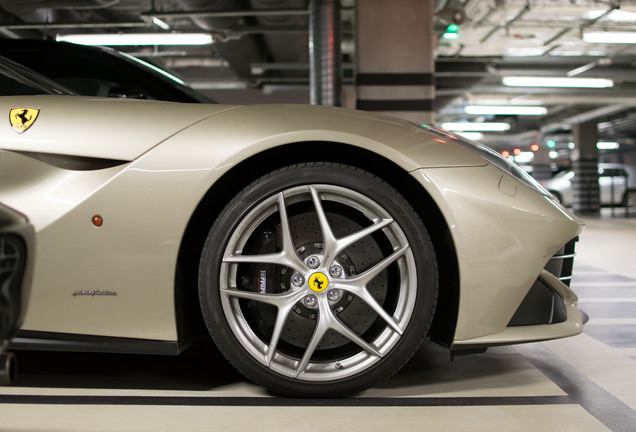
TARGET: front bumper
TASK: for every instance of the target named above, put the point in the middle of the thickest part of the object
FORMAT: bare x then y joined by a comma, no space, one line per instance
549,310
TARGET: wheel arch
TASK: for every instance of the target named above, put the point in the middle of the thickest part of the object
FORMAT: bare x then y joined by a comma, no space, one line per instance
189,317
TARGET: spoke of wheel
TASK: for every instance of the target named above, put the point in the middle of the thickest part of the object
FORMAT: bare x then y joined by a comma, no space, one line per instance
283,302
287,257
281,318
364,278
368,298
358,287
353,337
328,321
333,246
328,238
278,300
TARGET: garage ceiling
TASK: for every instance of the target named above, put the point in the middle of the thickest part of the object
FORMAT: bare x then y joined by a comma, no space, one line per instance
260,54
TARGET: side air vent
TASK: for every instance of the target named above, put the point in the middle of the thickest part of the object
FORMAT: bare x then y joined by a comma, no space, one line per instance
561,264
74,163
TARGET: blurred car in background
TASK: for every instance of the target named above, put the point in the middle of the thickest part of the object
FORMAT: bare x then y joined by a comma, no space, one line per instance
617,183
99,71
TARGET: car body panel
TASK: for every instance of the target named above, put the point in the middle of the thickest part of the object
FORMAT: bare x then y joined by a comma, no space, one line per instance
503,241
100,127
119,279
140,268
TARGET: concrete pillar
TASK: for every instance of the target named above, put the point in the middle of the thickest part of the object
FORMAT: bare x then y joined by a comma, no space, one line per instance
395,58
324,52
585,167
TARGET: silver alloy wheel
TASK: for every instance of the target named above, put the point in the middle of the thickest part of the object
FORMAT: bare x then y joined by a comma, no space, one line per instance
357,316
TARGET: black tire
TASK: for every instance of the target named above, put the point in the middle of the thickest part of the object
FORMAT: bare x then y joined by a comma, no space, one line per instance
351,312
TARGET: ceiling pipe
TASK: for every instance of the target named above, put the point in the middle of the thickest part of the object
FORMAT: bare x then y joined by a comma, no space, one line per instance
74,25
230,13
241,52
22,7
595,114
508,23
587,67
557,36
612,7
283,47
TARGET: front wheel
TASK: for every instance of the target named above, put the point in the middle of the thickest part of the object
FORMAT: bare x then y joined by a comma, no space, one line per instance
318,280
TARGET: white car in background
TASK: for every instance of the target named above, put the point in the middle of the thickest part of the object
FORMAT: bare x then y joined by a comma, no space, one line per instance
615,180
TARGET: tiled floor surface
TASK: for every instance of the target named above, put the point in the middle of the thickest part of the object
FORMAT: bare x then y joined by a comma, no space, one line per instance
585,383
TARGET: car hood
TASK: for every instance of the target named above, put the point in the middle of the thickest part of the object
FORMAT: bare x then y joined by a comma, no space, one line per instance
104,128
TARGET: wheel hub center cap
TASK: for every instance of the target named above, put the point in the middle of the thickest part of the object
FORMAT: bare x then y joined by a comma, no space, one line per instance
318,282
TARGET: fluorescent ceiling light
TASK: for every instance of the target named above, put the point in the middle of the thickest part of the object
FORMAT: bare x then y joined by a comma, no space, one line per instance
476,127
160,23
523,81
138,39
154,68
505,110
607,145
519,100
218,85
525,52
475,136
610,37
524,157
616,15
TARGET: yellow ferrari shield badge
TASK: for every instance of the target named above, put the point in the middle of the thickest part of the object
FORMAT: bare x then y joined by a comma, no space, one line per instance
23,118
318,282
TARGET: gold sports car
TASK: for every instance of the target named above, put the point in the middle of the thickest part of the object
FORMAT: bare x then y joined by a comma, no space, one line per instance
318,246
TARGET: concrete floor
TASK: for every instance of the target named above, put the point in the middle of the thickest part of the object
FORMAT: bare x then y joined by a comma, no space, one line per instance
585,383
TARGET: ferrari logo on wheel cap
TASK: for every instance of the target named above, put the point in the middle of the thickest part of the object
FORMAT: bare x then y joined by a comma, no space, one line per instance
318,282
23,118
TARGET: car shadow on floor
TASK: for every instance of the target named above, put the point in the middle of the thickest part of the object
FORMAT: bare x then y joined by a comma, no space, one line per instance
203,368
199,368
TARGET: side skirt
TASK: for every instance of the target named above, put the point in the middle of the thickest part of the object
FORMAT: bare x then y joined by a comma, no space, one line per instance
49,341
